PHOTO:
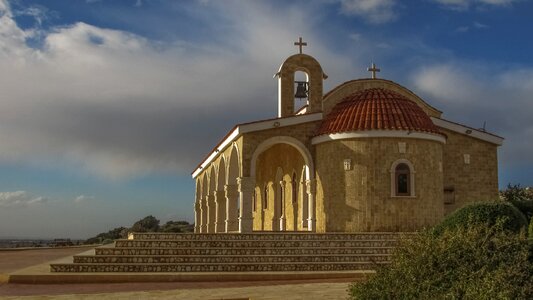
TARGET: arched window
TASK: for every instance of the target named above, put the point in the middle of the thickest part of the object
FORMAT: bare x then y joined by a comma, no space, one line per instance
403,185
265,197
402,179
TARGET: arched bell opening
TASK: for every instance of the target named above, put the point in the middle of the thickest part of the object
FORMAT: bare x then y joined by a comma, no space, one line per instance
301,95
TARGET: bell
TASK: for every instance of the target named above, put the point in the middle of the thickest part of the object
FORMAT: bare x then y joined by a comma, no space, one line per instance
301,90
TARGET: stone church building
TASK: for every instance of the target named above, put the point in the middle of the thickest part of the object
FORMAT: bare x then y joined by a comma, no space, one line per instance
369,155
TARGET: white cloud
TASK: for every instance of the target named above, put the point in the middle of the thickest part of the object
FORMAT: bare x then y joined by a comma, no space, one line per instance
83,198
466,4
117,104
20,199
473,93
373,11
481,25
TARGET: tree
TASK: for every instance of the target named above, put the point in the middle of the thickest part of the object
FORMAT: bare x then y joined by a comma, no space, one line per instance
177,226
148,224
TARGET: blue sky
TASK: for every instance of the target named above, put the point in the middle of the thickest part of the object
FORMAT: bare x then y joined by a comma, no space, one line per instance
107,106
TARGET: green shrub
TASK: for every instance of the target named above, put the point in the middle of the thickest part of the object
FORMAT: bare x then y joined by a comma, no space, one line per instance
485,213
521,198
530,230
473,262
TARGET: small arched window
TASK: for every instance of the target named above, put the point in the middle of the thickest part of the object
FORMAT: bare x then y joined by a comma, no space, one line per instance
402,179
402,175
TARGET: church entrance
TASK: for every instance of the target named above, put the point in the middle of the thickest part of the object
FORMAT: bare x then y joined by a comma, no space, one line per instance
280,197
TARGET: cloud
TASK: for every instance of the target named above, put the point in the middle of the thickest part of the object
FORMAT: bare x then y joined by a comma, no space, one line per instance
116,104
20,199
83,198
473,93
481,25
373,11
462,5
38,12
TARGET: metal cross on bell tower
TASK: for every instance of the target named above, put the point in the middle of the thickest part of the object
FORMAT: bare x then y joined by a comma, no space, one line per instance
373,69
300,43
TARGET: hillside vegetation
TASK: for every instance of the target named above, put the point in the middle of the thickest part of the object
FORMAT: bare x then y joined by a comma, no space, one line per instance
146,224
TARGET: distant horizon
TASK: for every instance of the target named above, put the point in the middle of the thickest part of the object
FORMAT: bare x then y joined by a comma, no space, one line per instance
107,106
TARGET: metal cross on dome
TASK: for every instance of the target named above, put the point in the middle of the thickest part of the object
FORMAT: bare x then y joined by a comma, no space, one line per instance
373,69
300,43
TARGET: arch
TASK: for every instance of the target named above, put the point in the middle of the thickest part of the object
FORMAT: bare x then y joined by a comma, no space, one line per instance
212,180
221,178
309,166
265,197
234,170
278,222
304,200
402,169
309,65
300,76
198,189
204,185
232,195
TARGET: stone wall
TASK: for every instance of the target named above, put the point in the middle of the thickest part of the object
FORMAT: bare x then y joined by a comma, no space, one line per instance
360,199
471,178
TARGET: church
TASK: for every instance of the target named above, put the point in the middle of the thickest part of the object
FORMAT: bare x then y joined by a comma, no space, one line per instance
367,156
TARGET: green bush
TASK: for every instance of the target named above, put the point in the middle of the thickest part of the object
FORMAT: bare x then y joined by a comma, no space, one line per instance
521,198
473,262
530,230
485,213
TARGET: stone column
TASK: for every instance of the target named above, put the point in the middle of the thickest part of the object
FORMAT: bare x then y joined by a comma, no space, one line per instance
211,213
311,191
282,218
305,205
197,216
246,190
220,202
232,195
203,215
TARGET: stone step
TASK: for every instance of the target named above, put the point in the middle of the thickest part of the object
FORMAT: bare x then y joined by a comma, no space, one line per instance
245,251
202,267
149,259
266,236
252,243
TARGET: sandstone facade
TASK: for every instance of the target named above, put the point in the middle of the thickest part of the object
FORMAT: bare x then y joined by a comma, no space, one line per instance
370,155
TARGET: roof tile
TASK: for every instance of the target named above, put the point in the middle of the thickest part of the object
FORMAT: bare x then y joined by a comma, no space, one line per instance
376,109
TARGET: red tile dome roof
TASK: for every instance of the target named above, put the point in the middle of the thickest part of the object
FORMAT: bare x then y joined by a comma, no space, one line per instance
376,109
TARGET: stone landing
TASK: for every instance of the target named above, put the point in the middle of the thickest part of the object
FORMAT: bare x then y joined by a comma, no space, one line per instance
225,257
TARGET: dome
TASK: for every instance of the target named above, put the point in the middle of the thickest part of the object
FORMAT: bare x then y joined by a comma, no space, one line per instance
376,109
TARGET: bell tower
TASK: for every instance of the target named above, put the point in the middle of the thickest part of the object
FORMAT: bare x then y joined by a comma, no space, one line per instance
311,89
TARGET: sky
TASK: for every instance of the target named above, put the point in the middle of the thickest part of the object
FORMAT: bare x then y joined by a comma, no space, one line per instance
107,106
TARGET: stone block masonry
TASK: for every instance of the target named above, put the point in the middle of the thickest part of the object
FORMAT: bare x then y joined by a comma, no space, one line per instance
257,252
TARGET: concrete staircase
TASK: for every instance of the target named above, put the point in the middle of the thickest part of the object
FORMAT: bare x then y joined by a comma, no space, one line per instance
235,252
